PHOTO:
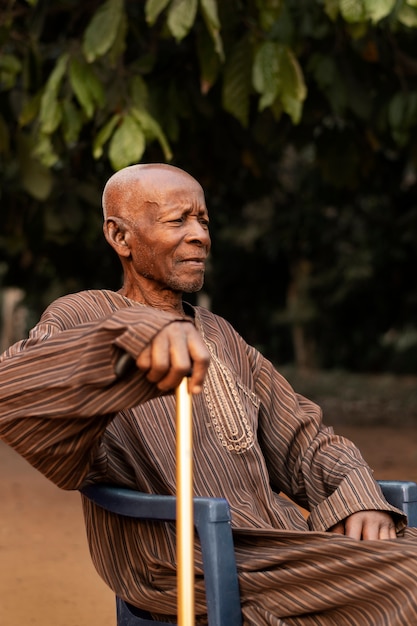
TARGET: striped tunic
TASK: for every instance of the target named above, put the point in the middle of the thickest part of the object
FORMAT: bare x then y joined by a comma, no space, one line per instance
64,409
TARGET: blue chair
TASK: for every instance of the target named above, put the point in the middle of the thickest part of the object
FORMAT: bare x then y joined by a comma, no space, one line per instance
403,495
213,524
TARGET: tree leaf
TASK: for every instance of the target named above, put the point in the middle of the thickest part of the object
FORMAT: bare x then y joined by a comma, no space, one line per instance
127,144
237,81
293,89
138,92
329,81
152,130
71,122
30,109
376,10
36,178
277,109
50,113
266,77
50,109
353,10
292,106
211,18
276,73
44,151
181,17
397,110
331,8
269,12
80,86
102,30
57,74
210,13
407,15
95,86
153,8
104,135
208,59
10,67
119,45
402,117
87,88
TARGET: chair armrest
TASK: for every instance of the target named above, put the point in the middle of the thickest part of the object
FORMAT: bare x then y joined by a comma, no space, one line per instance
131,503
403,495
213,524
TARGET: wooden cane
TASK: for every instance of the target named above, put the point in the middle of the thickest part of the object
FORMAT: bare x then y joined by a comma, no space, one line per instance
185,514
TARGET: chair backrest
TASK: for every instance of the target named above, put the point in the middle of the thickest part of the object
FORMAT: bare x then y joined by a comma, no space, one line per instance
213,523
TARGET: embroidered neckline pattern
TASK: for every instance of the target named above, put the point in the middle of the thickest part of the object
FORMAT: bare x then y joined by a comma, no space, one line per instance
227,413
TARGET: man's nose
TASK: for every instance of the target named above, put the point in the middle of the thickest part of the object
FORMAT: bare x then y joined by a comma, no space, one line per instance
198,233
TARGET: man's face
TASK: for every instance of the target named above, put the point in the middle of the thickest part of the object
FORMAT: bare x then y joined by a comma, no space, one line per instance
169,235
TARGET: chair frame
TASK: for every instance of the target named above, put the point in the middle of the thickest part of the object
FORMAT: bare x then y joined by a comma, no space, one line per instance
212,520
213,524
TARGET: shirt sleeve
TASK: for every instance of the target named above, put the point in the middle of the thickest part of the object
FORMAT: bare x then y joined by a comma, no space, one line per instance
321,471
60,388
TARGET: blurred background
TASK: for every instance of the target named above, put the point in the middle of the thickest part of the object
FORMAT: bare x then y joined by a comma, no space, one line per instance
299,118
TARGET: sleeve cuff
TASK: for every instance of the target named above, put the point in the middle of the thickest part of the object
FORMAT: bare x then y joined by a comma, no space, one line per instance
357,492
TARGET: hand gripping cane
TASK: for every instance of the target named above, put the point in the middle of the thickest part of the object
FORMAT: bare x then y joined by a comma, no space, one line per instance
185,514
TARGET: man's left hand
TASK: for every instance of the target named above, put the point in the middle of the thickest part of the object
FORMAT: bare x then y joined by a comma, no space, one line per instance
366,525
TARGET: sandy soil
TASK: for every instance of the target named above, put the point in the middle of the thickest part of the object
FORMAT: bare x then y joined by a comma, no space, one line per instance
46,577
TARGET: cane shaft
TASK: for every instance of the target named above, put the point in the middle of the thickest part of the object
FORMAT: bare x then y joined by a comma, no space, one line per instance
185,517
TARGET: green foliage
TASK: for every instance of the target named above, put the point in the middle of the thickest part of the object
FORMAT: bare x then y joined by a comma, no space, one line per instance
236,86
153,8
87,89
277,74
211,18
10,68
101,33
298,116
127,145
181,16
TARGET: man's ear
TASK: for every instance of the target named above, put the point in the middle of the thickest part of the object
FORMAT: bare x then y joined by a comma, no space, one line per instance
116,232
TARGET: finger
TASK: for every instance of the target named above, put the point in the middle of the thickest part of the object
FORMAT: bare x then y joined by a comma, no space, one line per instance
338,529
170,360
159,360
392,531
176,351
200,358
370,525
188,356
180,365
371,532
387,531
143,362
353,528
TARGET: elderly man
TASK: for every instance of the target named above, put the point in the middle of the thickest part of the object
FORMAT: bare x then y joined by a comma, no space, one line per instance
69,408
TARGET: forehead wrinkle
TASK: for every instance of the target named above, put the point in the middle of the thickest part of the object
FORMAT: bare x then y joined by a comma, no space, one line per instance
134,184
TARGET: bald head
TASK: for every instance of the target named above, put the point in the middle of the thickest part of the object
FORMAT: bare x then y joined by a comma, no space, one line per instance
132,187
156,220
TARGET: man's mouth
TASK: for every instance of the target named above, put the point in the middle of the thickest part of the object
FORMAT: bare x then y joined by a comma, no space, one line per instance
195,261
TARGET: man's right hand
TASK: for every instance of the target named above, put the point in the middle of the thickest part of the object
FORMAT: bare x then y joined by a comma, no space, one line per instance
178,350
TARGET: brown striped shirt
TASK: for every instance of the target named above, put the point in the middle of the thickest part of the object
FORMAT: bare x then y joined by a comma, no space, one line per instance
65,410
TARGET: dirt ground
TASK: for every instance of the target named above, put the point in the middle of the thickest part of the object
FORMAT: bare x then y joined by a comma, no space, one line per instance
46,577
